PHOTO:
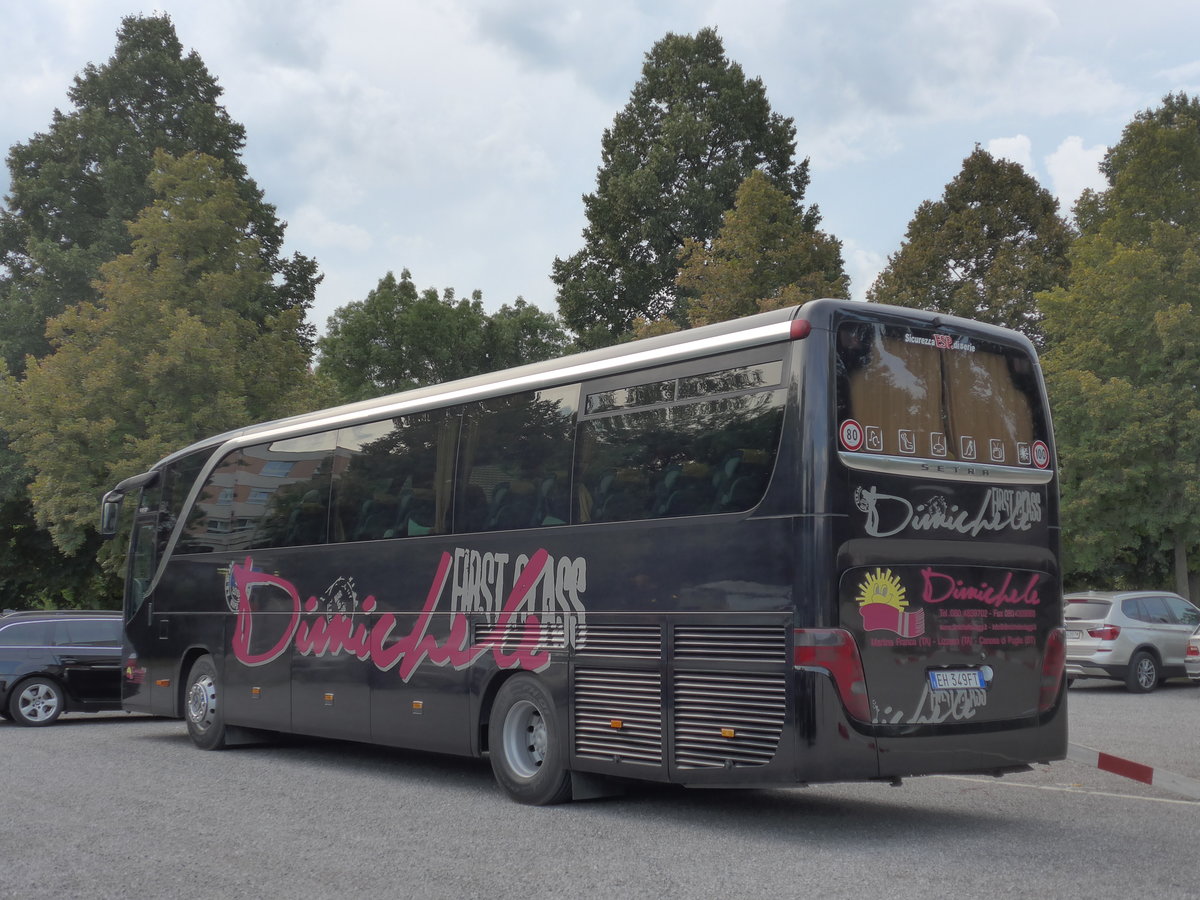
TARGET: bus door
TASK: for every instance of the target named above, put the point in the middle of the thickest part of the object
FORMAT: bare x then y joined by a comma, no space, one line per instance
136,688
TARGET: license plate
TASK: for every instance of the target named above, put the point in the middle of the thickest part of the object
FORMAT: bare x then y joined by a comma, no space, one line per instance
955,679
1074,635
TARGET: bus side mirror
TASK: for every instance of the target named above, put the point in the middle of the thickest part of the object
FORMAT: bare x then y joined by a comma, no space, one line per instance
110,515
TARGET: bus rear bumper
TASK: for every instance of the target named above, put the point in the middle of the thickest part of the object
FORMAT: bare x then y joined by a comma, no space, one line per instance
990,748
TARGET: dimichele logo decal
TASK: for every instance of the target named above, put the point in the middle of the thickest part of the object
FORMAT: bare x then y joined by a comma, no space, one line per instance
1001,509
545,599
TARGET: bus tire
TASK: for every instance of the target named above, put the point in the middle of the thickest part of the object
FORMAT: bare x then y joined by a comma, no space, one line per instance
202,706
1143,673
526,743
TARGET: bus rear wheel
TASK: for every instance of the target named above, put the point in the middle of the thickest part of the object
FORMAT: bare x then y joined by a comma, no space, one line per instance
526,743
202,706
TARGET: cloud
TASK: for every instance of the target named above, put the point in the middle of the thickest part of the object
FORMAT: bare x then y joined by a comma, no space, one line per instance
1018,149
1072,169
925,64
863,266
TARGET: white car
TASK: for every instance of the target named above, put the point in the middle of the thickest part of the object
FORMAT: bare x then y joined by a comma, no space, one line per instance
1139,637
1191,657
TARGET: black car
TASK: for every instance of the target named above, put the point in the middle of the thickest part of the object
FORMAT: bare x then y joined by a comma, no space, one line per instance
59,661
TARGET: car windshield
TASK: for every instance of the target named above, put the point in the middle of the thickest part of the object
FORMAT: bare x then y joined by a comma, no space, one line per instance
1086,609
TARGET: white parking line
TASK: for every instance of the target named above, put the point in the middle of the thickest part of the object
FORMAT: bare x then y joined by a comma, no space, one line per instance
1064,789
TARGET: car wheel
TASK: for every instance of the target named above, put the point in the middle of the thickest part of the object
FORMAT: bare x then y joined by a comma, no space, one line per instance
36,702
202,706
1143,674
525,743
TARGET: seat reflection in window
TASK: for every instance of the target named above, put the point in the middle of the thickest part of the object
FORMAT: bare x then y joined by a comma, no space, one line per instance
294,477
516,459
682,460
393,478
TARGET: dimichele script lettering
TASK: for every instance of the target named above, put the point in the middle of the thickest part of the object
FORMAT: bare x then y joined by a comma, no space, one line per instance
545,595
1002,509
939,587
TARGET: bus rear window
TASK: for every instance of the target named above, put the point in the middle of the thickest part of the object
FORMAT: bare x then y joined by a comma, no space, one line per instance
909,391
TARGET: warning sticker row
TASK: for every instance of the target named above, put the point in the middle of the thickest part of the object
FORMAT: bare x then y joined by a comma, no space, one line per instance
856,437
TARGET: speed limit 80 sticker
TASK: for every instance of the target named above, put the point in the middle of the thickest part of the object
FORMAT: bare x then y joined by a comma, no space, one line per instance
852,435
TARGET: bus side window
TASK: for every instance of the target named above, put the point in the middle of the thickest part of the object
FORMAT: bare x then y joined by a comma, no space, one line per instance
515,462
211,519
282,497
686,459
393,477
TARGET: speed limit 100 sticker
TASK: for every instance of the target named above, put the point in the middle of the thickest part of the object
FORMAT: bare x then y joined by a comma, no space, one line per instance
1041,454
851,434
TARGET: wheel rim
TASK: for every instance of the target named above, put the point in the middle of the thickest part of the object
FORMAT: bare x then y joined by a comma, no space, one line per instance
38,703
525,739
1146,675
202,702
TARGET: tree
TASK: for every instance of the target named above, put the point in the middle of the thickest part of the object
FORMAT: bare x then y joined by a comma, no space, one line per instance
521,333
671,163
764,257
73,189
1124,360
75,186
161,358
984,251
400,338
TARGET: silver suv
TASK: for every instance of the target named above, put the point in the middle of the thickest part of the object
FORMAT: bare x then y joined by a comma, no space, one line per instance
1139,637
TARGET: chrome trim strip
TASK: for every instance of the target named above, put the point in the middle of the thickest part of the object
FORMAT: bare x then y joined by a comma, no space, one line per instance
399,404
944,469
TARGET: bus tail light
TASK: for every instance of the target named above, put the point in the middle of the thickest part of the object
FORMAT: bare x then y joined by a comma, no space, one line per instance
1054,663
834,651
801,328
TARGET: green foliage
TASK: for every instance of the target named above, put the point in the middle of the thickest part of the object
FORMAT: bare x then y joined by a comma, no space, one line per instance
671,163
764,257
519,334
162,357
73,189
34,574
984,251
400,338
1124,359
76,185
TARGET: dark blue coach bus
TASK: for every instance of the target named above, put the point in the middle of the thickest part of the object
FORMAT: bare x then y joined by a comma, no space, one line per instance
817,544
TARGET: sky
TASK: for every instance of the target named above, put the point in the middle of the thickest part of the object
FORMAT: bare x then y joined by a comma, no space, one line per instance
456,138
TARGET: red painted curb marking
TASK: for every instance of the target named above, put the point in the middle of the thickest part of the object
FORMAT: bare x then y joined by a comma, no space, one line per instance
1124,767
1135,771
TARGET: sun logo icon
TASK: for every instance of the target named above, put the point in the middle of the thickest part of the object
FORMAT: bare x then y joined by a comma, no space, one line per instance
882,587
881,604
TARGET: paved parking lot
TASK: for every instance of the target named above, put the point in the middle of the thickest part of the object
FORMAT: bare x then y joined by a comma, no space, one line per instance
116,806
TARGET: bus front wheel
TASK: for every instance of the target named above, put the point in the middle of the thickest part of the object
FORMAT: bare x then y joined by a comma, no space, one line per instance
202,709
526,743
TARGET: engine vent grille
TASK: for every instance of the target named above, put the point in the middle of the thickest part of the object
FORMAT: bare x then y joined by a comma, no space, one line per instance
549,636
728,719
629,641
618,716
767,643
